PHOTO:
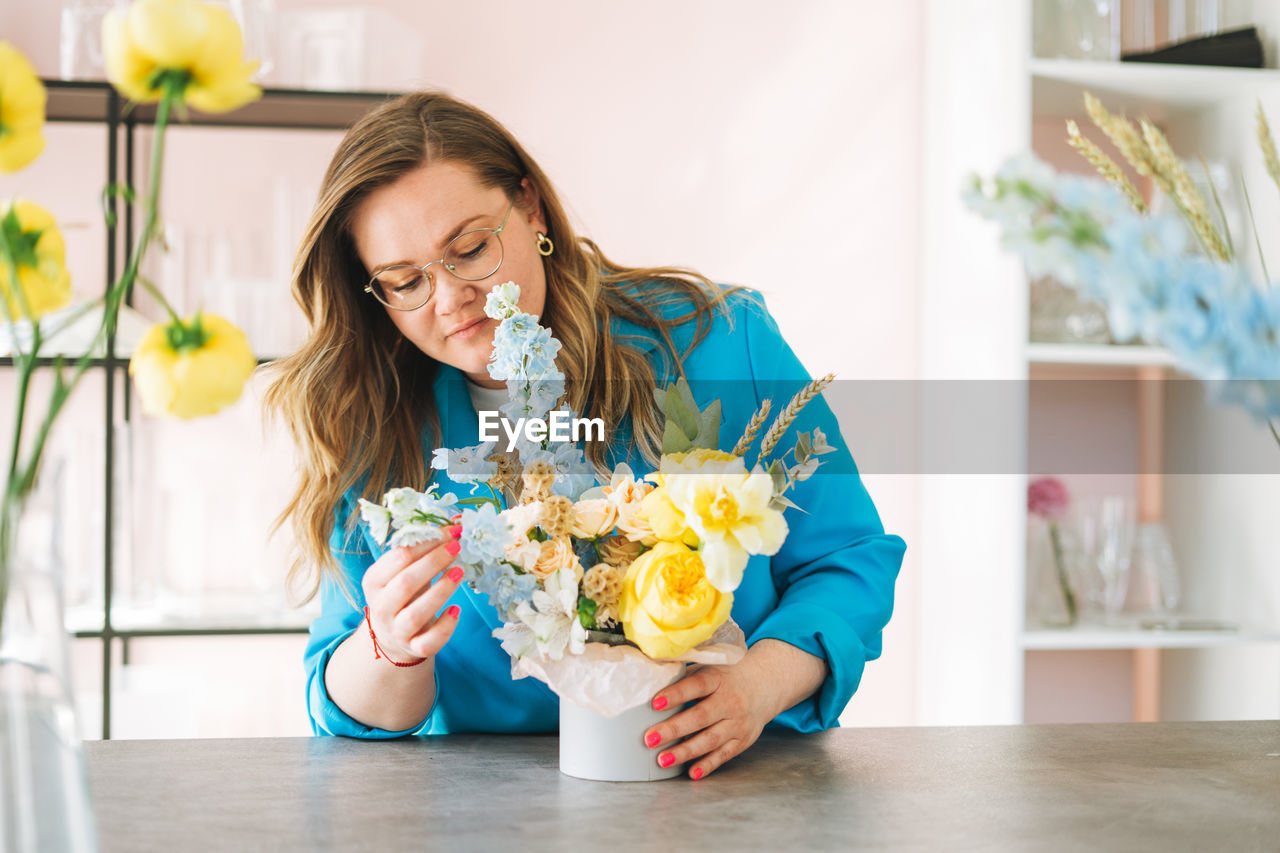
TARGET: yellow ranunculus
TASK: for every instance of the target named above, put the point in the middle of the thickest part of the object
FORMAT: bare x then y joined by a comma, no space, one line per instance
667,605
35,242
191,379
199,41
728,510
22,99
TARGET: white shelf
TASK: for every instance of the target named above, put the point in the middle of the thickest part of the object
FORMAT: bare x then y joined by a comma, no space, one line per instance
1084,639
1099,355
1141,88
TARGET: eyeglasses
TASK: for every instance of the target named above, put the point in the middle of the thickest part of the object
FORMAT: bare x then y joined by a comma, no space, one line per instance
471,256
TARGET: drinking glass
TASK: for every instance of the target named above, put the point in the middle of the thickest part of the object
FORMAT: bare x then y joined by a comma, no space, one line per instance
1107,527
80,38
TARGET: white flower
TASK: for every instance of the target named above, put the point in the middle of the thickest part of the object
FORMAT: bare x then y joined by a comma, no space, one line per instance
554,616
414,532
403,504
517,639
378,518
503,300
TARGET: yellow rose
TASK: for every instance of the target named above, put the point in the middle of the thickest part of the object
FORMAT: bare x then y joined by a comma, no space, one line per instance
197,44
667,605
197,376
32,238
22,99
700,460
556,554
593,518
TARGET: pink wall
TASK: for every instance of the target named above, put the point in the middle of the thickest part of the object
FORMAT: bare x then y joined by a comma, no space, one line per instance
777,149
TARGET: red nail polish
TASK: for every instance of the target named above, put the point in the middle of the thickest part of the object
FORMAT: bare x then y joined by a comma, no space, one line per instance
454,530
696,773
454,611
453,548
455,574
666,759
659,703
652,739
456,517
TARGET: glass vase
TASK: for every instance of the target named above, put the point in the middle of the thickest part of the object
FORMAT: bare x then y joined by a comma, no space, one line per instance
1053,562
44,791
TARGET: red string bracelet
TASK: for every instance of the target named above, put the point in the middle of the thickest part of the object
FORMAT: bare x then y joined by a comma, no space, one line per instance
377,649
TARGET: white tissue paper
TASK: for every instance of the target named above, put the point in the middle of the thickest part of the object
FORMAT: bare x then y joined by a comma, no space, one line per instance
610,679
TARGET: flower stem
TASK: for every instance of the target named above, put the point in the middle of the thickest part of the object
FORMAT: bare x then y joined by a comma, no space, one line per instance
1068,596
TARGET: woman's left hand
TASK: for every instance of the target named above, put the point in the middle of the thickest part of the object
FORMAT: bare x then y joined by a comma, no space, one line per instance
737,701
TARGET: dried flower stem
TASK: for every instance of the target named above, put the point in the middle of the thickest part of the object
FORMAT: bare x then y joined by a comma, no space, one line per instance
1268,145
1105,166
1189,199
788,414
753,427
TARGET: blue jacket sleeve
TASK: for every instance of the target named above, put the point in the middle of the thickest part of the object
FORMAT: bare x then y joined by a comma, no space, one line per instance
341,612
835,573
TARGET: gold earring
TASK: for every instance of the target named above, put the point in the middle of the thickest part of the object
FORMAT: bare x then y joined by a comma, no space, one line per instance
545,246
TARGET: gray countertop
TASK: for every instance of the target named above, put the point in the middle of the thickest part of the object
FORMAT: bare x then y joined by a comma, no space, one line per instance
1152,786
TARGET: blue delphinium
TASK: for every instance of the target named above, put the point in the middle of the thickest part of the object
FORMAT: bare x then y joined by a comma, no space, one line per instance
485,535
505,587
1217,322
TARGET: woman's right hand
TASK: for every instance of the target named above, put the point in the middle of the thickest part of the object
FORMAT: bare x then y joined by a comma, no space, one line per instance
404,590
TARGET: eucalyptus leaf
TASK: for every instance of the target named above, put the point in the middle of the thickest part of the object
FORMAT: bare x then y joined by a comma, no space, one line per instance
803,447
680,414
674,440
709,427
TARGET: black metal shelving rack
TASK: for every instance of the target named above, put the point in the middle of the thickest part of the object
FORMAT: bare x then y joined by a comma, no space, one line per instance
89,102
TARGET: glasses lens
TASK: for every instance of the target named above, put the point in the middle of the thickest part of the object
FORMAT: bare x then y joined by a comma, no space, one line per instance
474,255
403,287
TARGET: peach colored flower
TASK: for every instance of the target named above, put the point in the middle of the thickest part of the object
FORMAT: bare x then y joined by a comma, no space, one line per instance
593,518
556,554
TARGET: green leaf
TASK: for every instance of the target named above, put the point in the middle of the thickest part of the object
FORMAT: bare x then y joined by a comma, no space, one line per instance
709,427
586,611
537,534
683,417
674,439
21,244
803,447
778,473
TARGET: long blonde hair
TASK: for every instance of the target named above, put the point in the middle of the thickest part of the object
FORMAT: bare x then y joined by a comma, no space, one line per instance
357,396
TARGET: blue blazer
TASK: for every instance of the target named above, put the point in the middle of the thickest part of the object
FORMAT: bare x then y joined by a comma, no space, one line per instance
828,591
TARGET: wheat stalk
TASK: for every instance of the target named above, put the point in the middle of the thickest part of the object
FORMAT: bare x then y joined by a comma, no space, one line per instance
753,427
1122,134
788,414
1105,166
1193,204
1268,145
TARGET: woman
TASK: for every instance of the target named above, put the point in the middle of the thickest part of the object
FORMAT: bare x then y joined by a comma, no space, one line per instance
427,204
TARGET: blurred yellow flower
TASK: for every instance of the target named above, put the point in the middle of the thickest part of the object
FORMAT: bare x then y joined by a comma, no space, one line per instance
32,239
196,369
193,46
22,99
667,605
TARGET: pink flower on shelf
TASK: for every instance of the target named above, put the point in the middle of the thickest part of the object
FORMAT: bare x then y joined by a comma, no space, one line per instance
1048,498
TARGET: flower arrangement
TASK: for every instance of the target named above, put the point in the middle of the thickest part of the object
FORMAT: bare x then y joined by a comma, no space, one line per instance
176,52
636,574
1173,280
